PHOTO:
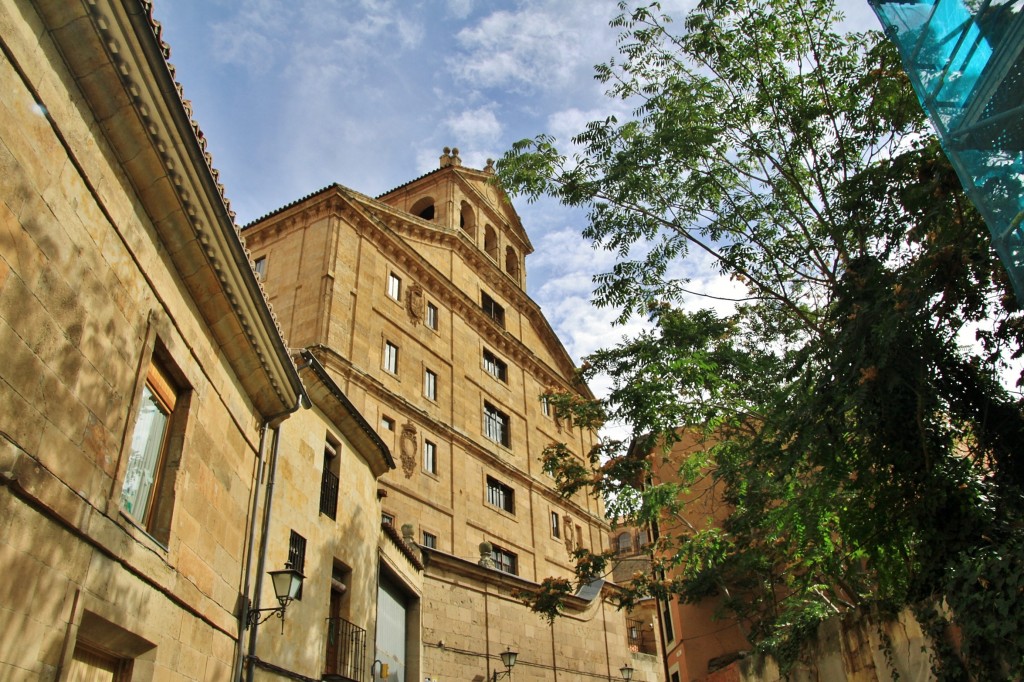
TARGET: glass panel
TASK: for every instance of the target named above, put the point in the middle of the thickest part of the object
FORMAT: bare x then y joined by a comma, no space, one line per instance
147,442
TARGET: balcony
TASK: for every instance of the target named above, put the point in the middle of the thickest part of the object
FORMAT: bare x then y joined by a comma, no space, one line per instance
346,651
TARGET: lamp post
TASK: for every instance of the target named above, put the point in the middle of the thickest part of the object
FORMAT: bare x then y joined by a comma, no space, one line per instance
508,658
287,583
626,671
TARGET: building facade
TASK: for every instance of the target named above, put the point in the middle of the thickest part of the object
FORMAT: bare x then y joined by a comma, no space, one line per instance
415,303
149,407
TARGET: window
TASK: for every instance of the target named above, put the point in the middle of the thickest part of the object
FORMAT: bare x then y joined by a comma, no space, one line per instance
496,426
492,309
387,423
491,242
390,357
495,367
501,496
430,384
429,457
260,267
504,560
556,531
387,519
329,480
429,540
545,406
666,620
147,493
625,543
641,539
297,555
432,316
394,286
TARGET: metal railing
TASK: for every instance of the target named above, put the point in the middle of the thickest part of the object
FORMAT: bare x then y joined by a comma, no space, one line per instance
346,651
641,636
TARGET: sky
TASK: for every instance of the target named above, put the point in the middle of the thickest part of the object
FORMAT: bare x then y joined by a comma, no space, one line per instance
295,95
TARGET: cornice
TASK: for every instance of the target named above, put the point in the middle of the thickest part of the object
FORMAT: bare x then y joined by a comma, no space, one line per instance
149,127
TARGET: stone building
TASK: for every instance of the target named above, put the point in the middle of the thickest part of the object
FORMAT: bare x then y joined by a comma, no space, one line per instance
415,303
143,387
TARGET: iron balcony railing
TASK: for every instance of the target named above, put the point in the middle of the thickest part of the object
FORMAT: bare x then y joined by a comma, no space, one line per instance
641,638
346,651
329,494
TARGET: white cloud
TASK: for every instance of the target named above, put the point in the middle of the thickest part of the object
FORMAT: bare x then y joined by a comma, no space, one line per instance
475,127
534,48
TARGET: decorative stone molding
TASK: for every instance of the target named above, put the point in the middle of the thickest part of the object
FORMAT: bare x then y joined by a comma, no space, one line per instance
408,447
414,303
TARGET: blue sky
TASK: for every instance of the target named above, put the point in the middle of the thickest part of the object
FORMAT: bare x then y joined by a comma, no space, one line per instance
295,95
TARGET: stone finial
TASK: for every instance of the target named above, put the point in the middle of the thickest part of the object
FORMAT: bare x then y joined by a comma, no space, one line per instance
485,555
489,168
456,161
446,159
407,533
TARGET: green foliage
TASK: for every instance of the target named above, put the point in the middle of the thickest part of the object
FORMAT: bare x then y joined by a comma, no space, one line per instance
867,451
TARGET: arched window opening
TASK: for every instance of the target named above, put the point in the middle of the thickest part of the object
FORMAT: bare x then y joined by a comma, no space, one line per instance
625,543
491,242
512,263
467,220
424,208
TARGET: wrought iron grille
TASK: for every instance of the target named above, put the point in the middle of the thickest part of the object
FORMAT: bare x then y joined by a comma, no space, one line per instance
346,651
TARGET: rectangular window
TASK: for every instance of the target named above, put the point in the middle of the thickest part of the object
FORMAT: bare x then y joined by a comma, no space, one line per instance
387,423
496,425
492,309
394,286
501,496
143,491
666,620
297,555
545,406
390,357
260,267
432,316
429,457
495,367
387,519
556,530
430,384
429,540
504,560
329,479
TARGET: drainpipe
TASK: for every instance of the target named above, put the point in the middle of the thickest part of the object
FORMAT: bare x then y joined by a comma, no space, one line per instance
246,663
243,617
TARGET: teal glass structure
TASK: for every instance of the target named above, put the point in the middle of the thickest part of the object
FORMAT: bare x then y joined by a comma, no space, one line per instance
965,59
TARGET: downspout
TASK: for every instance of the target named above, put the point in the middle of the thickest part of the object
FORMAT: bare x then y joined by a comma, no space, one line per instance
243,616
274,425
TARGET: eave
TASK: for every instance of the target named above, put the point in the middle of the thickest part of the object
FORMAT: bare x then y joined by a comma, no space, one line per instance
113,51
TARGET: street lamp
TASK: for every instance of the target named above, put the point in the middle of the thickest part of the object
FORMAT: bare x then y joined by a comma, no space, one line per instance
287,583
508,658
627,672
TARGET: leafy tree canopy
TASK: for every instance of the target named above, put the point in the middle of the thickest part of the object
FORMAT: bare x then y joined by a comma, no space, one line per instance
855,418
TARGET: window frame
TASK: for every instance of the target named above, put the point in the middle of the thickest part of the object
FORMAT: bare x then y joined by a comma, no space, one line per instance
387,423
556,528
428,539
504,560
297,556
495,366
430,457
390,358
162,394
259,266
431,317
430,384
500,496
492,308
330,478
497,425
394,287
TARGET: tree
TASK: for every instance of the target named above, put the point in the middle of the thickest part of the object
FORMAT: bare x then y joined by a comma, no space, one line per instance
866,443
